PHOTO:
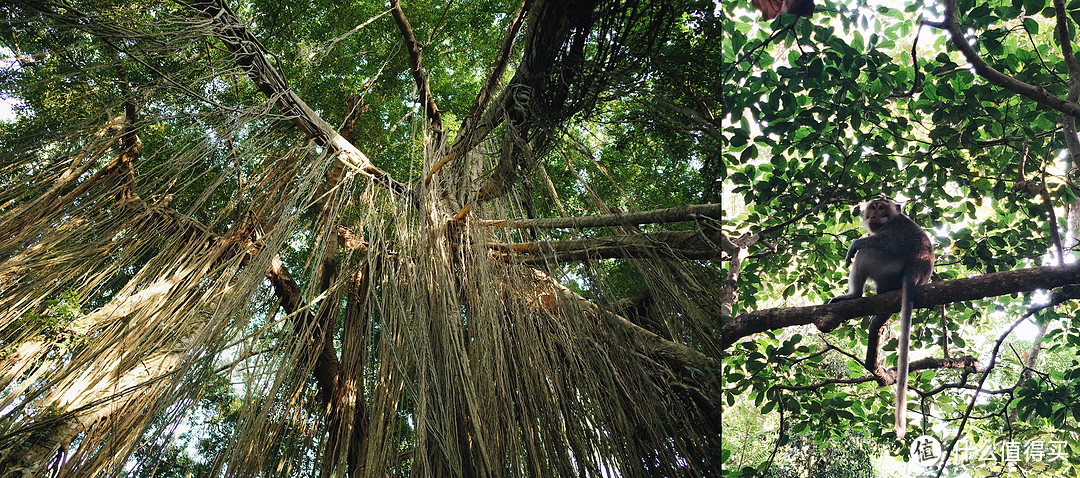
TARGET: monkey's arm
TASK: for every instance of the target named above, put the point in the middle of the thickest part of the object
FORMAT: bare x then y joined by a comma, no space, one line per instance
855,246
858,275
888,243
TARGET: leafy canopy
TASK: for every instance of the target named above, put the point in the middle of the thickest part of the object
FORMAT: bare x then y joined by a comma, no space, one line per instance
875,98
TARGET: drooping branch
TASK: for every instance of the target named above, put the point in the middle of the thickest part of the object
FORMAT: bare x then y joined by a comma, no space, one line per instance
85,404
341,394
830,316
252,57
1035,93
690,212
327,364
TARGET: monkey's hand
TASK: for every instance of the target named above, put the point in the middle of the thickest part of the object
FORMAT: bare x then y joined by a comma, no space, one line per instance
855,246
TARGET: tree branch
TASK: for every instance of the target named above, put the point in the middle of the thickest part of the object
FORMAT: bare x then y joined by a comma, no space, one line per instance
309,327
928,363
1068,293
690,212
832,381
1065,41
534,101
830,316
1068,123
416,53
1033,92
922,364
700,244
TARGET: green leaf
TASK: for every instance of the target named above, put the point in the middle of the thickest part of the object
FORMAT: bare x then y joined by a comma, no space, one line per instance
769,407
1032,7
1031,26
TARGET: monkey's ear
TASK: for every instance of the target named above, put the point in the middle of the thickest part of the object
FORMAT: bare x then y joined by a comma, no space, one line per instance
898,210
771,8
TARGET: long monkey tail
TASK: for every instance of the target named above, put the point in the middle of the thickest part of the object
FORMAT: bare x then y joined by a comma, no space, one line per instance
907,302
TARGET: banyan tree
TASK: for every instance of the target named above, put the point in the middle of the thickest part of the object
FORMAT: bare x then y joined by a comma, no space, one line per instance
251,238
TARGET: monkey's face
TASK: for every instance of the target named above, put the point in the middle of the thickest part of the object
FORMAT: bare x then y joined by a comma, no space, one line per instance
879,212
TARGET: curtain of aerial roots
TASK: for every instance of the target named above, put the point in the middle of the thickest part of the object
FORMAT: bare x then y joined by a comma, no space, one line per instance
453,361
163,289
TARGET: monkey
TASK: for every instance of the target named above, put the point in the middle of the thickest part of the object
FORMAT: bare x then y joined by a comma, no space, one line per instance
772,8
896,255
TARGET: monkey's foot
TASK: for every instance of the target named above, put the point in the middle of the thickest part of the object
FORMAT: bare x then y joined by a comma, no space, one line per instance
840,298
885,377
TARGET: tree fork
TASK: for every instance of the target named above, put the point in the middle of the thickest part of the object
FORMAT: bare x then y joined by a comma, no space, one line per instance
1036,93
473,128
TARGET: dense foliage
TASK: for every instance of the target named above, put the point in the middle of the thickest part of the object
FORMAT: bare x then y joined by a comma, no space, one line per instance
877,98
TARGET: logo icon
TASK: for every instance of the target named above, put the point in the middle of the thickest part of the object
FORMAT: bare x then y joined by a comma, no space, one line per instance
925,451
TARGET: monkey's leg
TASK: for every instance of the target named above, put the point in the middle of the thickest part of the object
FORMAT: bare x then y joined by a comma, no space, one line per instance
877,324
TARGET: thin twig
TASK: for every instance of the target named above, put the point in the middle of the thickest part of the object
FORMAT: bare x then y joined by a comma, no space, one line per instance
1055,300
